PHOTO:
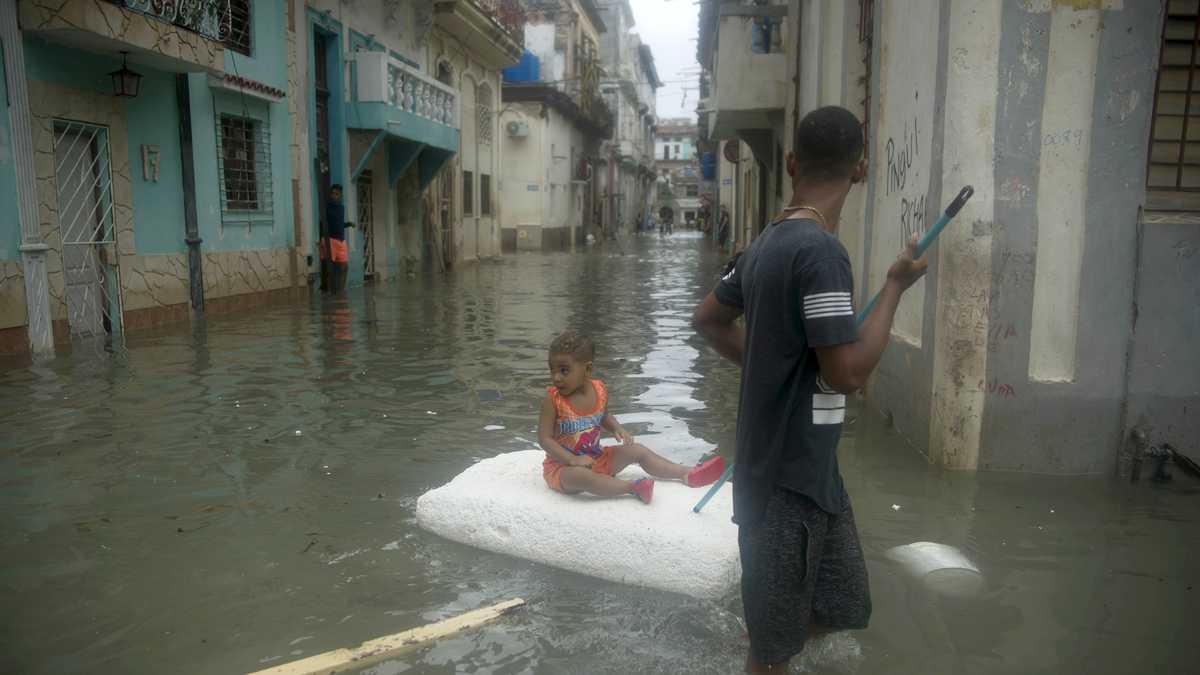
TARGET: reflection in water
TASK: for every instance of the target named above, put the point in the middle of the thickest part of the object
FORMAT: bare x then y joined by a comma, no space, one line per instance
160,512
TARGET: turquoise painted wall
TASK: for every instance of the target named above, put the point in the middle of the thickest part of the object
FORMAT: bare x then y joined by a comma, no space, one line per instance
267,64
10,221
152,119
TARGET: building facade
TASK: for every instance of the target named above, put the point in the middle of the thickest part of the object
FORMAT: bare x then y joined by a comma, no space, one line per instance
474,40
678,162
743,120
1052,328
145,174
398,109
629,85
553,122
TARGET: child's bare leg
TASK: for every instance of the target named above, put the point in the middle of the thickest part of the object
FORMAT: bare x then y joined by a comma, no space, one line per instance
654,464
583,479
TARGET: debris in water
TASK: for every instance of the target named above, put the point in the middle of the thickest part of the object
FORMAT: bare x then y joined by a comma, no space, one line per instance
895,507
430,412
299,433
493,427
391,546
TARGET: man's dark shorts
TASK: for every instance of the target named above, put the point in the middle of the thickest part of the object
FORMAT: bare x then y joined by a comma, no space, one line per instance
800,566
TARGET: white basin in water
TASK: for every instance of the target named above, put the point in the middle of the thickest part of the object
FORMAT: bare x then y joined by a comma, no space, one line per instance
943,569
502,504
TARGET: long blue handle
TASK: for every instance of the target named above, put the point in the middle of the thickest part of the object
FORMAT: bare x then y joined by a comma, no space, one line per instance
926,241
922,245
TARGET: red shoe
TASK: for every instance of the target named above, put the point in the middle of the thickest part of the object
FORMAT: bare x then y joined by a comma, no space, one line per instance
644,489
705,473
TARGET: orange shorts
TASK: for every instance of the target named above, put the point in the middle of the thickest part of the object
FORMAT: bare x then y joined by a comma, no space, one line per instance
340,252
552,470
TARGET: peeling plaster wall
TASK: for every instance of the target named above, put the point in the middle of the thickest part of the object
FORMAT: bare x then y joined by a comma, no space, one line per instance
538,190
1014,359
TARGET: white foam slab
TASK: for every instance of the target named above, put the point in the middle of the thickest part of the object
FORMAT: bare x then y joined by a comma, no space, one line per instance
502,504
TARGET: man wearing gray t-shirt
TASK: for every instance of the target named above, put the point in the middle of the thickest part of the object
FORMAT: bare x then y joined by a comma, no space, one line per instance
801,353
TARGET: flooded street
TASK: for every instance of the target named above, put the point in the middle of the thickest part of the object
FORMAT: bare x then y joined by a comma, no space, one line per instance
224,498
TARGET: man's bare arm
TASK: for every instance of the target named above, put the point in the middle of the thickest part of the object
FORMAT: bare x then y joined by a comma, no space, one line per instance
718,324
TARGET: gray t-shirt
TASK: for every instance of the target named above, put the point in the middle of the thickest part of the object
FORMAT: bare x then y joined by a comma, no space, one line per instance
795,287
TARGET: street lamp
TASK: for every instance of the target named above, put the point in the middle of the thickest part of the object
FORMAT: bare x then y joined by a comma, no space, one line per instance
125,81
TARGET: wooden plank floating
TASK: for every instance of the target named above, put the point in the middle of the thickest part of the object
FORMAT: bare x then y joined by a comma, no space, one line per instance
380,649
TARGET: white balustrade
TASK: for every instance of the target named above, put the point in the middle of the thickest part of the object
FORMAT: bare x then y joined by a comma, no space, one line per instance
386,79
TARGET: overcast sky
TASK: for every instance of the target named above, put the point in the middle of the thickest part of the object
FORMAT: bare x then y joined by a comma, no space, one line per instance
669,27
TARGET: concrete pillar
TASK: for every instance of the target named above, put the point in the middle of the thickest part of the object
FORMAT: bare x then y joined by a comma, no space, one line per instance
33,249
965,252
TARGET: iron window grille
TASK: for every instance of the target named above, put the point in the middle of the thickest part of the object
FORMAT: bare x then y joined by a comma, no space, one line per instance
244,166
468,193
1174,157
484,121
239,36
366,220
485,194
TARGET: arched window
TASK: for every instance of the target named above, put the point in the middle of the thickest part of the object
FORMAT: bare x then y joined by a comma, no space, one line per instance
483,120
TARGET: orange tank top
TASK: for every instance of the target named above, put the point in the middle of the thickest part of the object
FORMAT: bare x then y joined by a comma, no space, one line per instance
579,430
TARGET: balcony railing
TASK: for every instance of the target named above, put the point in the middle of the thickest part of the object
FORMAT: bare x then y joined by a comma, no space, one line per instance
386,79
507,13
208,18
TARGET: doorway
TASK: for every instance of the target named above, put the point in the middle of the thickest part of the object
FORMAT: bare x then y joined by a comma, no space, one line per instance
83,179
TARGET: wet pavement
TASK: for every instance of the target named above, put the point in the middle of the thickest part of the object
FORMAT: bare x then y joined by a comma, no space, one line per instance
225,498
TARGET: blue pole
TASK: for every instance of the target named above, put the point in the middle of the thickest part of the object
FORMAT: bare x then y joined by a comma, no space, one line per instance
924,243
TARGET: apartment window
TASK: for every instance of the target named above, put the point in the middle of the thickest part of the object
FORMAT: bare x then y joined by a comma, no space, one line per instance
666,152
1174,162
239,26
468,193
243,153
677,153
693,191
485,194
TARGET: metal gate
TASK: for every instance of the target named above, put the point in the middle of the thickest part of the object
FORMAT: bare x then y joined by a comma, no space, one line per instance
83,178
366,221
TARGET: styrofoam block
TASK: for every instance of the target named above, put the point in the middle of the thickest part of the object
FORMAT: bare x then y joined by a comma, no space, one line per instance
502,504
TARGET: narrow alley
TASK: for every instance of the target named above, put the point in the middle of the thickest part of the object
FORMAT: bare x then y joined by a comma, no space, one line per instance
241,493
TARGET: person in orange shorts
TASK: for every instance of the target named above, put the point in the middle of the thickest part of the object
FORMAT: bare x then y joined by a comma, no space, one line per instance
575,412
335,258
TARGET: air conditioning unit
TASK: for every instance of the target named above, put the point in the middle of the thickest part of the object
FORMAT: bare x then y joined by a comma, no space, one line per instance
517,129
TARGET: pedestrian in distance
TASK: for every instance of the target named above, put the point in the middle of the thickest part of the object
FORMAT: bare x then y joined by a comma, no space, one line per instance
335,258
801,352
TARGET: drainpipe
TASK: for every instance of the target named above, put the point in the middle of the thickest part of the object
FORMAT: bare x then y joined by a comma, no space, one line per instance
612,189
33,249
191,229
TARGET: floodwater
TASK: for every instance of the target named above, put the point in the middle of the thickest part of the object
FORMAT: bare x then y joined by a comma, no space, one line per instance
225,498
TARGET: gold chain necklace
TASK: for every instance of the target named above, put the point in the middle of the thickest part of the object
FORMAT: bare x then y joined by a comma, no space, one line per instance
820,217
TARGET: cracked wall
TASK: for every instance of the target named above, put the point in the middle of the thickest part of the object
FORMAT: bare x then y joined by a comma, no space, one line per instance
12,295
229,273
109,21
